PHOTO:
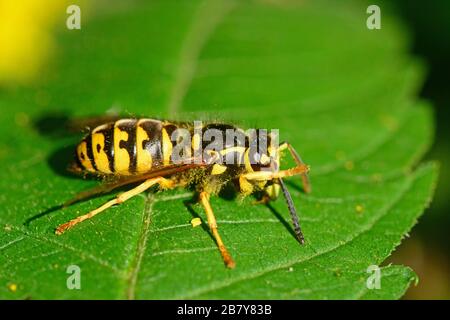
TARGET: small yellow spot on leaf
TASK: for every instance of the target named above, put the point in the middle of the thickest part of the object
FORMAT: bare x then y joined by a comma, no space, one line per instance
12,287
376,177
389,122
196,222
349,165
359,208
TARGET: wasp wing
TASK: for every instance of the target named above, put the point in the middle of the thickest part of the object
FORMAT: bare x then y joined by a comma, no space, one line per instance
86,124
61,125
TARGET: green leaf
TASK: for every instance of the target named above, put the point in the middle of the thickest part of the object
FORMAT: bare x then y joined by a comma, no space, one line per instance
343,95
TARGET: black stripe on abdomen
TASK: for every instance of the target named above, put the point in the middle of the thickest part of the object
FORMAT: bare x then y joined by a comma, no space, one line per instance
130,144
153,144
90,154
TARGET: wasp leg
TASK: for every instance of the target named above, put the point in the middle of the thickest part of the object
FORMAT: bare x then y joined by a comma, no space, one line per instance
228,260
269,175
298,161
265,199
301,169
109,186
119,199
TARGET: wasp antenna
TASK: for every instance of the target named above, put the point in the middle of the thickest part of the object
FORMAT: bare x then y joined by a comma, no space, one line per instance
293,212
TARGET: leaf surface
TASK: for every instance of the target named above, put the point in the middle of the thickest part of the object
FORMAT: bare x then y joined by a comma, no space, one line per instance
343,95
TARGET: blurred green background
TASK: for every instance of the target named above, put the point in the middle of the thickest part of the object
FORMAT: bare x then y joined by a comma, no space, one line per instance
427,251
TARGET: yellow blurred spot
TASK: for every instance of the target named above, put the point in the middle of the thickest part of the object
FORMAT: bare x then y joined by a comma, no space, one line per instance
376,177
196,222
349,165
389,122
12,287
26,41
7,228
359,208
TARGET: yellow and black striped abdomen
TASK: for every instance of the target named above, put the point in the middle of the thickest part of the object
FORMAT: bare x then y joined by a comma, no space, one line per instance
125,147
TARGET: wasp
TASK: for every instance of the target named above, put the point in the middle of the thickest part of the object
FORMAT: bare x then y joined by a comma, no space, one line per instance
147,152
